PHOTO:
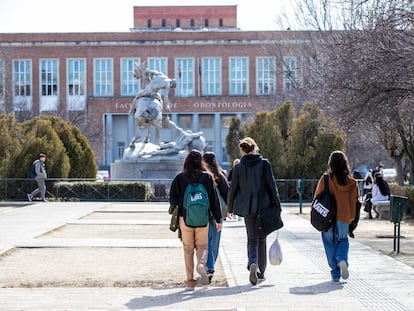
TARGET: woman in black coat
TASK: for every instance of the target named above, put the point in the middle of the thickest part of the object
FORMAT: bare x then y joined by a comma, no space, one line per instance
252,186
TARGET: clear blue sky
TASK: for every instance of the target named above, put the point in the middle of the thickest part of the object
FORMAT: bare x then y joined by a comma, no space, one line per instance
110,15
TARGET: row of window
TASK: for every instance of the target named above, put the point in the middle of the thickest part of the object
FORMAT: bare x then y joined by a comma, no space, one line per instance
209,71
167,23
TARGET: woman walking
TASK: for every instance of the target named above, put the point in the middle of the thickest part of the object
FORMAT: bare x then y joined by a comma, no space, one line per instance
195,172
214,235
346,192
252,187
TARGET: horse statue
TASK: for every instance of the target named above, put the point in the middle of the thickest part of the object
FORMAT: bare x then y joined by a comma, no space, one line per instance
148,104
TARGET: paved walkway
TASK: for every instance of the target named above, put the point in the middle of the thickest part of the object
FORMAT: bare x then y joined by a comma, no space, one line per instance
301,282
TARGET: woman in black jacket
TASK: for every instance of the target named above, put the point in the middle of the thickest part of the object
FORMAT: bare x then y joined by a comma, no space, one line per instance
194,171
252,186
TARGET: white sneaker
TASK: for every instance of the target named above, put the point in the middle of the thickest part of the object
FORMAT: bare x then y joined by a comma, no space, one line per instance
344,269
203,274
29,197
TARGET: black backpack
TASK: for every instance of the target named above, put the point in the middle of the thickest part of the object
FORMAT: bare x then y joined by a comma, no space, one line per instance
323,212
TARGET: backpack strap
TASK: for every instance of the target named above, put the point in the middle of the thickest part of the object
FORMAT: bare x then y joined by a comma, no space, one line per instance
326,182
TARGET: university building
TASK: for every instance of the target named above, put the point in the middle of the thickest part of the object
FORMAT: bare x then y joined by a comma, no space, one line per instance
87,78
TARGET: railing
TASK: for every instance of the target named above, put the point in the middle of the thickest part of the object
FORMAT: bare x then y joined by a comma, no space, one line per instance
16,189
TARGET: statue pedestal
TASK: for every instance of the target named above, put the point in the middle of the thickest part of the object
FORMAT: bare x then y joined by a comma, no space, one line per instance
138,163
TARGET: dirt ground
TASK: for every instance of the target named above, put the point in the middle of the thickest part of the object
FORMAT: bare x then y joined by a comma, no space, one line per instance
149,266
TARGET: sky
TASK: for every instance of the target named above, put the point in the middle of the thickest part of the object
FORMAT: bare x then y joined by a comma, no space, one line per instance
17,16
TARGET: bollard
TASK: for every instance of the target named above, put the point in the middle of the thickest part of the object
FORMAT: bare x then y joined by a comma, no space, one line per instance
397,204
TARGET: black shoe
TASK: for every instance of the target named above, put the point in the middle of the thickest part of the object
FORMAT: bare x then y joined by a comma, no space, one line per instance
210,274
260,277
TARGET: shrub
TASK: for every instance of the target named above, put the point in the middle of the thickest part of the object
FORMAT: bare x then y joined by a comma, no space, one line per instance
104,191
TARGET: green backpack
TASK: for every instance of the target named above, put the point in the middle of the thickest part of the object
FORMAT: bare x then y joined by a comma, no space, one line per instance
196,205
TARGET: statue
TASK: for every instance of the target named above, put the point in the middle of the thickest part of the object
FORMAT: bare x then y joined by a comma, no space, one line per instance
144,159
185,140
147,105
147,110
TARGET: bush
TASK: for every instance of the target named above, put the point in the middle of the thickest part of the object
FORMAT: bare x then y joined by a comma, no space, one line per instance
103,191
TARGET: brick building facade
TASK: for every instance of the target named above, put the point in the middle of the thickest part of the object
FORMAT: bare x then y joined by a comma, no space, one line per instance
86,78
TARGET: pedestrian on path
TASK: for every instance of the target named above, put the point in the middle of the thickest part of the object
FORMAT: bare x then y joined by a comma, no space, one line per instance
213,235
252,187
194,172
40,177
346,192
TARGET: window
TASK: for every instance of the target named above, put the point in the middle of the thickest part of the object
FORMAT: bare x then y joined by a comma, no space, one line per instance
221,22
163,23
76,76
129,85
265,76
49,77
185,121
185,77
22,85
206,22
76,87
149,23
292,73
103,77
238,76
22,77
211,75
315,69
192,23
159,64
177,23
206,121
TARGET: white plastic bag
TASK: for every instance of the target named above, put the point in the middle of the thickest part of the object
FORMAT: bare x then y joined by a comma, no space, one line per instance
275,252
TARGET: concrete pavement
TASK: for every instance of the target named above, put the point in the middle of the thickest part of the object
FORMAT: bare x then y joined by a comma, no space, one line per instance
301,282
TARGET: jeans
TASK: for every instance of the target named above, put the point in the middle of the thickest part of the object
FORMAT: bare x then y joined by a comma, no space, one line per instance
213,244
336,251
256,246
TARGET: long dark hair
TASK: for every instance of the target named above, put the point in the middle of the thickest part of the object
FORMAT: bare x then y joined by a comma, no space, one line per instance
339,167
194,165
211,161
382,185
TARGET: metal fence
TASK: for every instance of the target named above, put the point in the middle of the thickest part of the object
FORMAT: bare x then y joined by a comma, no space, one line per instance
16,189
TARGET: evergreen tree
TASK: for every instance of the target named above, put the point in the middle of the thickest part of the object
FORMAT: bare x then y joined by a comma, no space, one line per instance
232,140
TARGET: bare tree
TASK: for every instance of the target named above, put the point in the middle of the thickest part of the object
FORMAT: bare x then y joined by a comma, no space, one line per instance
364,70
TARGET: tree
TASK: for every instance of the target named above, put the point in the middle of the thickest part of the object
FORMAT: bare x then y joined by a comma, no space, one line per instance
297,147
10,141
41,138
366,70
233,137
68,151
80,153
314,137
78,150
